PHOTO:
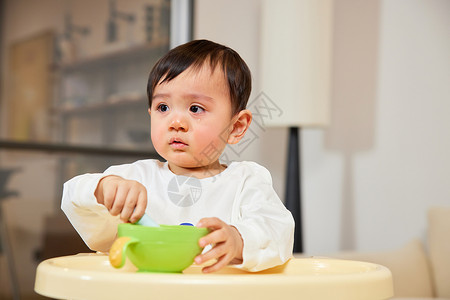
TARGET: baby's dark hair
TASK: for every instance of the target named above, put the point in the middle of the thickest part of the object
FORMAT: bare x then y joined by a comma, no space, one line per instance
195,54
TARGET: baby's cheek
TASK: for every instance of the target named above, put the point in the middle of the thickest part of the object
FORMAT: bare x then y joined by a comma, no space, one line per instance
157,139
213,137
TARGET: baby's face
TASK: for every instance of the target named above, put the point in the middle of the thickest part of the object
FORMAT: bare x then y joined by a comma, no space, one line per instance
191,118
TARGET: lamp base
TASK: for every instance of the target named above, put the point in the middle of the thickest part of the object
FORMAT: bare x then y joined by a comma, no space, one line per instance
293,186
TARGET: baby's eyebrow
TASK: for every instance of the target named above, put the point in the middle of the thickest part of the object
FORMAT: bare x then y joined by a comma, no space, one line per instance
189,96
160,95
195,96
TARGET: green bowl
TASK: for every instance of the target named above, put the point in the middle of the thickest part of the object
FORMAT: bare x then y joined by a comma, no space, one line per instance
168,248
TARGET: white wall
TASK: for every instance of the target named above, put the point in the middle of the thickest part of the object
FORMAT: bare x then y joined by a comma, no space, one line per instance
369,178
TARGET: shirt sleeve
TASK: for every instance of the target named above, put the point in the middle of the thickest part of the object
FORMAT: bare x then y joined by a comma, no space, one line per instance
266,226
90,219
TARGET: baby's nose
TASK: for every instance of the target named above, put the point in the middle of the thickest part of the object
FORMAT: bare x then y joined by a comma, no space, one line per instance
179,123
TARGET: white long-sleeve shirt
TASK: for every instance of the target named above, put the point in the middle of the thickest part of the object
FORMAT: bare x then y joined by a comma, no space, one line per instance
242,196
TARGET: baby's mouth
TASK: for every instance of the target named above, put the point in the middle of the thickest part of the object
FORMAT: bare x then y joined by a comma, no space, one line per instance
177,143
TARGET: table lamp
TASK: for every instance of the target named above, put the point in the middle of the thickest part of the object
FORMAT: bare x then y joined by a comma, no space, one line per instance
296,41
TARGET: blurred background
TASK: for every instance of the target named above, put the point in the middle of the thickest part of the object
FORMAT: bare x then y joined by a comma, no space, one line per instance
73,100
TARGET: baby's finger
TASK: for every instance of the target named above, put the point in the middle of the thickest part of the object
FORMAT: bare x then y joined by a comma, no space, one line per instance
140,207
222,262
214,253
211,223
129,205
214,237
119,200
108,197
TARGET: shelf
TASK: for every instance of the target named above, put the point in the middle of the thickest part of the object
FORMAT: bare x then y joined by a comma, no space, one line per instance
76,149
116,56
114,103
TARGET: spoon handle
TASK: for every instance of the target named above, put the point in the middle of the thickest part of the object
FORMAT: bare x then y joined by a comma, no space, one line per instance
147,221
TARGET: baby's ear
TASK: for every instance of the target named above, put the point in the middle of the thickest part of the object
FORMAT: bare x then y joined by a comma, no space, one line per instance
240,125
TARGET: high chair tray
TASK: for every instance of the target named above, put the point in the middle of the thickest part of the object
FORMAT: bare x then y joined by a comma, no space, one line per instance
90,276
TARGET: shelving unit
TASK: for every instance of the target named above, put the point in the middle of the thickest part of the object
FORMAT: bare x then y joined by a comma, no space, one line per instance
101,100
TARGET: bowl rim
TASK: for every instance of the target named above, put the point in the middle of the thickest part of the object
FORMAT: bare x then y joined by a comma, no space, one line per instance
125,229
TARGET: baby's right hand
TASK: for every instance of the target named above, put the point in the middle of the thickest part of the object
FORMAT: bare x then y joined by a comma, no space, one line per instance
127,198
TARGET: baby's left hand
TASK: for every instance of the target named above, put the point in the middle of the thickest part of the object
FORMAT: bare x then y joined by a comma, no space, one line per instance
227,244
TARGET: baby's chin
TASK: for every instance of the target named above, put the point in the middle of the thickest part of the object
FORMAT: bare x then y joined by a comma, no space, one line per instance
195,168
184,164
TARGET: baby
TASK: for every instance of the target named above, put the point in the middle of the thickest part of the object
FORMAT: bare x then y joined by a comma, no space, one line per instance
197,95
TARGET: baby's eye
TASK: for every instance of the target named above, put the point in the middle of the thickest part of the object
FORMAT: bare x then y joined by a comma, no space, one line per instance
196,109
162,107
